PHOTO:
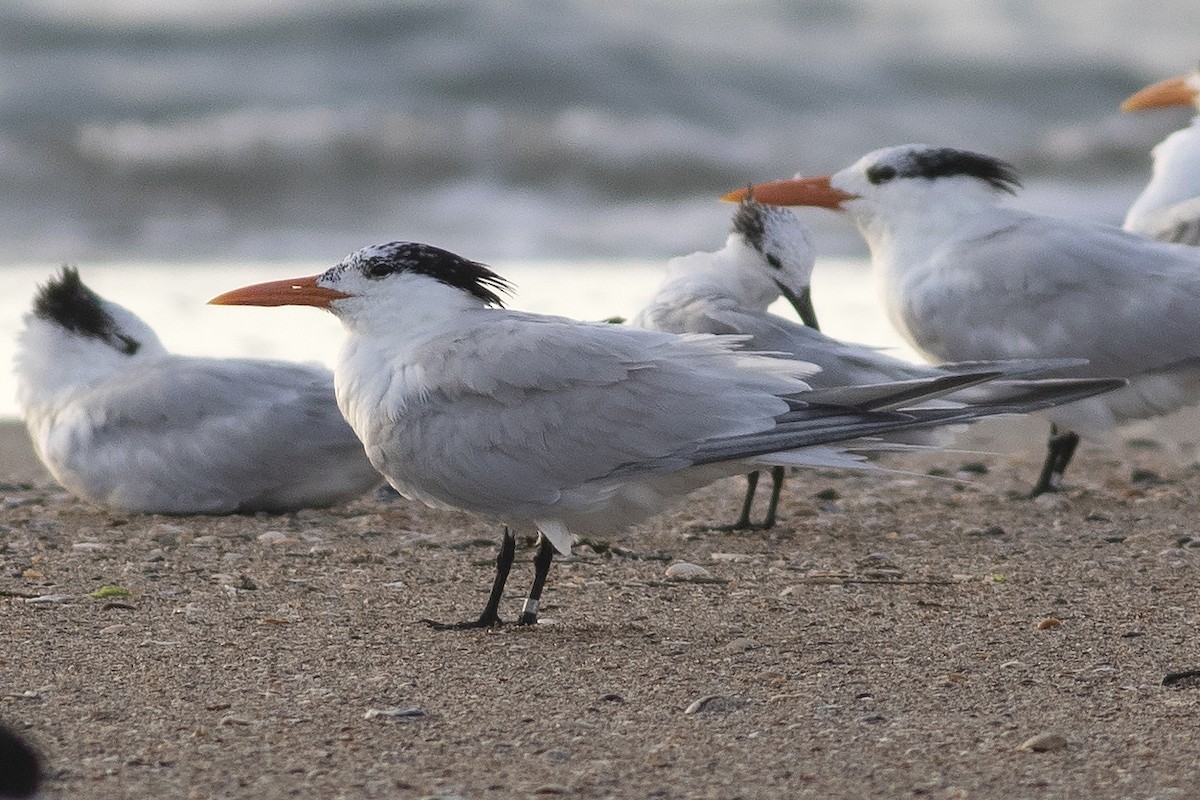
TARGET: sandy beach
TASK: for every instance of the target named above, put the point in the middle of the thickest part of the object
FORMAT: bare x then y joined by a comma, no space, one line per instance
897,635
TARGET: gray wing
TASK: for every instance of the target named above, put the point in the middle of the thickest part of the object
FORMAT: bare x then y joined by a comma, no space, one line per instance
529,408
841,363
191,434
1044,288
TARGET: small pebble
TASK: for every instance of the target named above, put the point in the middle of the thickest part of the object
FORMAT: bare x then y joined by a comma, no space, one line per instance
409,712
741,645
50,598
1049,624
1044,743
231,720
714,704
731,558
164,533
1187,679
683,571
1051,501
274,537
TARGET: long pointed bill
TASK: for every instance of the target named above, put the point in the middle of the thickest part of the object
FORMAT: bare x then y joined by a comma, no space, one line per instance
803,304
295,292
794,192
1171,92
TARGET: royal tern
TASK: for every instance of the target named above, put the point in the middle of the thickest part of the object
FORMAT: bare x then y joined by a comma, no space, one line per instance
1168,209
553,425
119,421
702,290
964,279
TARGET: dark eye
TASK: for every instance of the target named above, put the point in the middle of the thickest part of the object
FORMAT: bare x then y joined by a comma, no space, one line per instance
774,261
881,174
377,268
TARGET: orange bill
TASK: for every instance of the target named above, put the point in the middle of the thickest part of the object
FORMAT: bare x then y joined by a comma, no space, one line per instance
794,192
1171,92
295,292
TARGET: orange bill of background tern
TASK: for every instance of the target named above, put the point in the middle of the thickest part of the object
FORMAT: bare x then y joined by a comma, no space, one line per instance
1168,209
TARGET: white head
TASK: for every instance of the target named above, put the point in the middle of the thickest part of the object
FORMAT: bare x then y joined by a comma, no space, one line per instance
385,287
73,337
779,254
908,182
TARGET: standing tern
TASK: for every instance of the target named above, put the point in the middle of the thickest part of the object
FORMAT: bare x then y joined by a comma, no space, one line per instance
966,279
1168,209
119,421
553,425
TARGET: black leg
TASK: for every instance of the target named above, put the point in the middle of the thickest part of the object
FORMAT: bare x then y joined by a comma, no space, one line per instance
777,476
1059,450
490,618
743,520
541,568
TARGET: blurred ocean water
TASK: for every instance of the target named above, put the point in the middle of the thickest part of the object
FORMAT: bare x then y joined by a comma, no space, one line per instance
175,150
301,129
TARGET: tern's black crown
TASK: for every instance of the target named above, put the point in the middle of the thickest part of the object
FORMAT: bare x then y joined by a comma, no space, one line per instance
65,300
748,222
442,265
944,162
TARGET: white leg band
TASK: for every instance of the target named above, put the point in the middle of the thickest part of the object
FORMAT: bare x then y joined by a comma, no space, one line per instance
530,607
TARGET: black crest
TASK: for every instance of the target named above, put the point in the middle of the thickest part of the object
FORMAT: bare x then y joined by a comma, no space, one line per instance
748,221
442,265
943,162
65,300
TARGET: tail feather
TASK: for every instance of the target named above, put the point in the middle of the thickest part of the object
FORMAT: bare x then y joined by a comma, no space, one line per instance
804,428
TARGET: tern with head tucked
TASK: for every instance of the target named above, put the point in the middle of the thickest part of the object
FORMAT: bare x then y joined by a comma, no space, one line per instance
556,426
964,278
119,421
1168,209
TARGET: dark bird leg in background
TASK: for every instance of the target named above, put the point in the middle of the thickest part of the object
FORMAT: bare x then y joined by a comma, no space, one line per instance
802,302
777,475
490,618
541,568
743,522
1059,450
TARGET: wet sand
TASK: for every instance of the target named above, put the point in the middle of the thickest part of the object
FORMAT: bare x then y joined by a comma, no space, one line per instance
896,636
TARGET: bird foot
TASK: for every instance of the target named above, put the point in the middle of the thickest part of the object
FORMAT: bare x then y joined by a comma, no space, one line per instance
485,621
742,525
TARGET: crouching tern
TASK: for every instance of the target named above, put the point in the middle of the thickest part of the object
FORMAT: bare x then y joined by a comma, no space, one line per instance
119,421
556,426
